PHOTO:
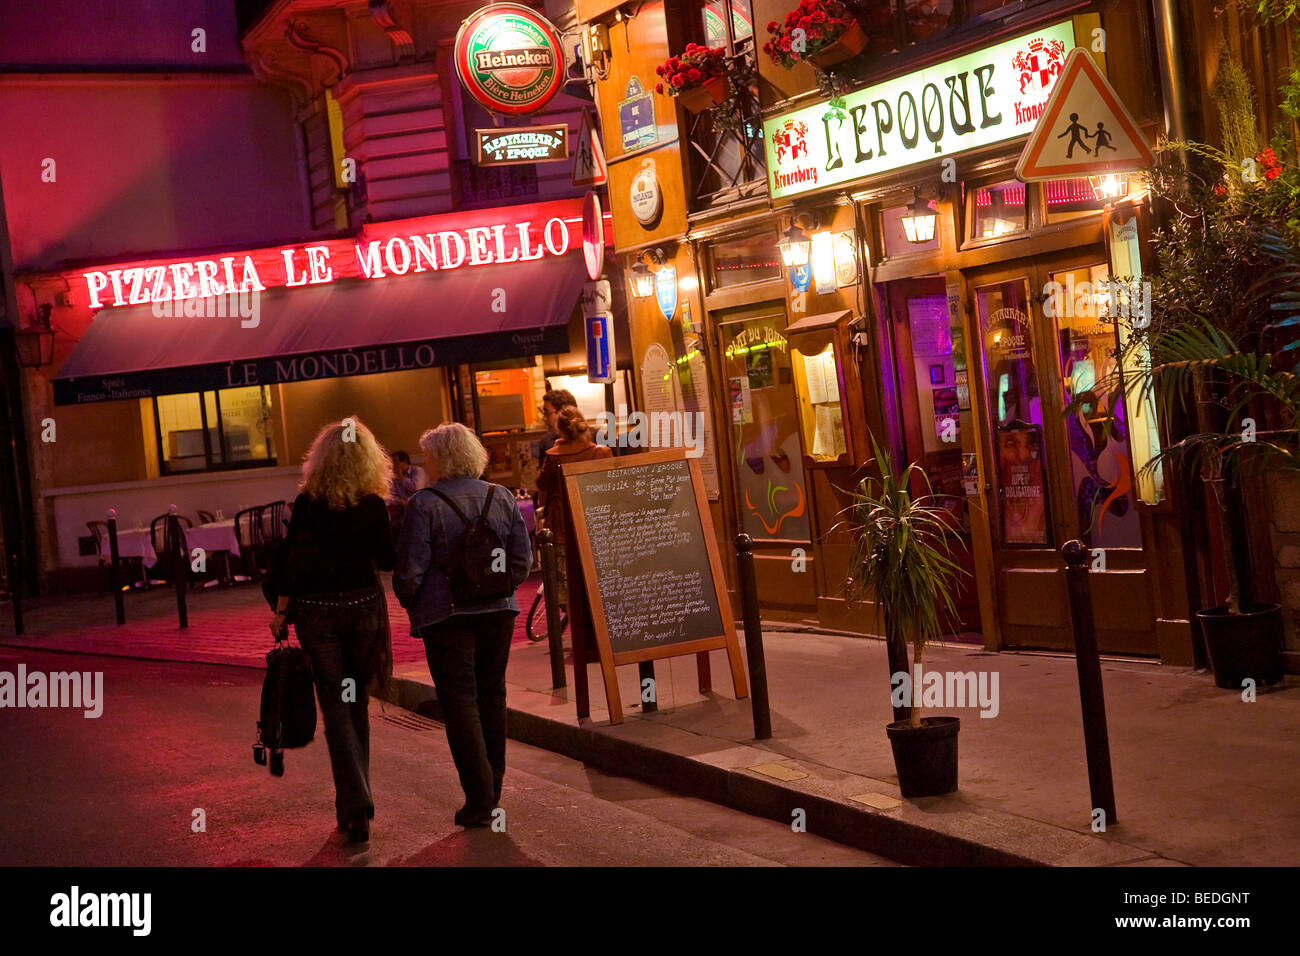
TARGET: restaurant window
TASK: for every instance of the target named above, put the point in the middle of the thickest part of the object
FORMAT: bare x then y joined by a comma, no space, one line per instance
1101,471
749,259
894,236
927,17
212,431
771,487
509,397
1068,199
997,210
713,18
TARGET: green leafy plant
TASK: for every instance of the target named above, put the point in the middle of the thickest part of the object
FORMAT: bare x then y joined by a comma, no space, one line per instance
901,556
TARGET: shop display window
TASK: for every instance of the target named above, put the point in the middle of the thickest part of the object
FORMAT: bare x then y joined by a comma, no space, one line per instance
1015,413
1101,467
1068,199
817,383
772,489
236,422
998,209
895,238
509,399
748,259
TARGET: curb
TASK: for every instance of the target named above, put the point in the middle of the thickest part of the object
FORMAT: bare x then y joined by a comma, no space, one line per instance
862,829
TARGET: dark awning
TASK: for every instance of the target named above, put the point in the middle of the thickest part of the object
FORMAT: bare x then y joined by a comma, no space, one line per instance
346,327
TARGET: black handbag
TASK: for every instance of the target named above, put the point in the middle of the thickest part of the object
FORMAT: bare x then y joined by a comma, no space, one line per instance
287,718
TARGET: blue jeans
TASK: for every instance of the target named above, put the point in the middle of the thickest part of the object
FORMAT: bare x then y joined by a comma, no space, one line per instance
467,655
341,633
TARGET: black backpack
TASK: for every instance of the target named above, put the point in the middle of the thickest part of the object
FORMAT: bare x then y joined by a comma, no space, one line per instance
288,711
472,571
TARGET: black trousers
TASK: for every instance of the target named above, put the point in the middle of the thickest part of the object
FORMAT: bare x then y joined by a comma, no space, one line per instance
467,656
340,633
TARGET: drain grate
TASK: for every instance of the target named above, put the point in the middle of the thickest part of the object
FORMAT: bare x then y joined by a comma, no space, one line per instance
410,721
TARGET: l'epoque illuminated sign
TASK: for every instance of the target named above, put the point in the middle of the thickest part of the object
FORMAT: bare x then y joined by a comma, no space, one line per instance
385,249
975,100
509,58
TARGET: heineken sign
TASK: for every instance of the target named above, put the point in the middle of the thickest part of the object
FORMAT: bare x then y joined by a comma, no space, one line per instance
975,100
509,58
525,144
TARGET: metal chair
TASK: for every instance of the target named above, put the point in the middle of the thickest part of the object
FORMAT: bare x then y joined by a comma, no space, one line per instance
274,523
205,517
169,545
252,541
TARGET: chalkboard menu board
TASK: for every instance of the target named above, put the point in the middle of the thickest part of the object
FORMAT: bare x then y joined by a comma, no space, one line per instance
649,562
652,566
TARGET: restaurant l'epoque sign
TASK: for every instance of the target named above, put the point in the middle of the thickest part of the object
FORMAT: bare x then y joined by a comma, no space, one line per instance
985,97
521,144
384,249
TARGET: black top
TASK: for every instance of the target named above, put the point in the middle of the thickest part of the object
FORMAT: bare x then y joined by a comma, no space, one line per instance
328,551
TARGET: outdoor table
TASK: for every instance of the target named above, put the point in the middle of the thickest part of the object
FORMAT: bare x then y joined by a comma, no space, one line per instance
132,543
216,537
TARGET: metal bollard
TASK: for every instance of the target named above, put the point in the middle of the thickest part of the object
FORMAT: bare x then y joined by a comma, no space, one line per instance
114,568
174,539
1095,737
753,637
14,593
551,591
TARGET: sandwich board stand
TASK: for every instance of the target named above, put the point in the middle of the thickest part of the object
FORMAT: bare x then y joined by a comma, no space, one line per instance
645,577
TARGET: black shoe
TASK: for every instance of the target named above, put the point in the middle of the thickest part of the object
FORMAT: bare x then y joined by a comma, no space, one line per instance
359,829
466,817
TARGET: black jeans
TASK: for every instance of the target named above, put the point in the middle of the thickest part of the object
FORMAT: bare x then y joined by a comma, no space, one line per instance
341,633
467,656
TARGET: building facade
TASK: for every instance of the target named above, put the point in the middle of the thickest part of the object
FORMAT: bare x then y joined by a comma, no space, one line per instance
959,347
242,221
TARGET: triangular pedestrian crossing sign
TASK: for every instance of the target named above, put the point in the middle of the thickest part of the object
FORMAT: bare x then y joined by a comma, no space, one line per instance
1085,129
588,159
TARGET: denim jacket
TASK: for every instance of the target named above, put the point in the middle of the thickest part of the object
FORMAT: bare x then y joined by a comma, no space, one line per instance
431,531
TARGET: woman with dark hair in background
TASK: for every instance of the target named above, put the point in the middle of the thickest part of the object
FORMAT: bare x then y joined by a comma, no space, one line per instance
325,578
576,443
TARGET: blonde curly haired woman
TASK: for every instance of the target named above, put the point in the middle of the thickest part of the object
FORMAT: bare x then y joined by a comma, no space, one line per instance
326,579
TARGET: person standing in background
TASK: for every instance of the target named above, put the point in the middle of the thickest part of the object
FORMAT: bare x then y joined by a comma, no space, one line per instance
576,443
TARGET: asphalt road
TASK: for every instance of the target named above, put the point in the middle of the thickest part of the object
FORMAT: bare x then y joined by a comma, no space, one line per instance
174,739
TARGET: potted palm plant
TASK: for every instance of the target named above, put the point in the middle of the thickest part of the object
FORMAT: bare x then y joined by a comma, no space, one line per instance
901,559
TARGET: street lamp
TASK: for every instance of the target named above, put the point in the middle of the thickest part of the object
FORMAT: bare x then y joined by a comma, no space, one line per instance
643,281
794,246
920,220
1109,187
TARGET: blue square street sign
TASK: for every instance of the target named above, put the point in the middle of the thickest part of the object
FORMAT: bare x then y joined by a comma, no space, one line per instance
600,347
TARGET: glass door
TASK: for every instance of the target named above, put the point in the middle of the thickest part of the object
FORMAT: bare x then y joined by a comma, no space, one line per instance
934,406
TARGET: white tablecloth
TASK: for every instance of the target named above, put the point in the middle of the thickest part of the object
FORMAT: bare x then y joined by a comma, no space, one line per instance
138,542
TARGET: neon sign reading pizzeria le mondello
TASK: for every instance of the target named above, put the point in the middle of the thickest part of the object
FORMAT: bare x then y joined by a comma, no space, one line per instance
436,243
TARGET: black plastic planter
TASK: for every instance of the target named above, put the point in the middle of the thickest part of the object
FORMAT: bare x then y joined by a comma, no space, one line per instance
1244,645
925,756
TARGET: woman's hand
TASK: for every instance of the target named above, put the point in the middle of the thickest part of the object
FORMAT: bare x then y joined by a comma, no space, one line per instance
278,625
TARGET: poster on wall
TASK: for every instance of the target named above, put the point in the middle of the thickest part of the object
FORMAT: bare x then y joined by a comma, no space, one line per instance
1020,483
742,403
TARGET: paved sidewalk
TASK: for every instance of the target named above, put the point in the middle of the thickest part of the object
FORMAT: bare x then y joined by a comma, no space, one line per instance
1201,778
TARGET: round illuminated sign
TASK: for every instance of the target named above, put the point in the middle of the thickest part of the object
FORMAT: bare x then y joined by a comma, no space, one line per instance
646,196
509,58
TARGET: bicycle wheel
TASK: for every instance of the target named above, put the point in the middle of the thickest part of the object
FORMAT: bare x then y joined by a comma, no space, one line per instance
535,623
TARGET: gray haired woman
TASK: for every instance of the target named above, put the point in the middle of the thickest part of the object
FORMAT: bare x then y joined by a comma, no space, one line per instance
466,640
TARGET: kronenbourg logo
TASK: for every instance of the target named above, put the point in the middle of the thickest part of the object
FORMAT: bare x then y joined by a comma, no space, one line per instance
1036,68
790,143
